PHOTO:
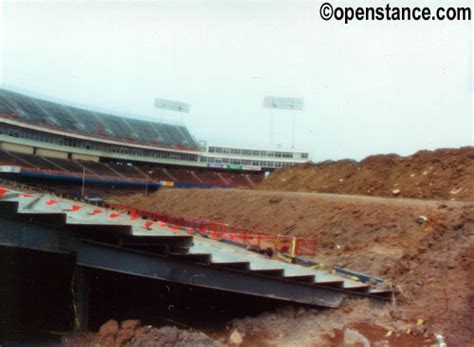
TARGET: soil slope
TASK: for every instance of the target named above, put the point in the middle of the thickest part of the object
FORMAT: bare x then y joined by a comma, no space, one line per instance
440,174
424,247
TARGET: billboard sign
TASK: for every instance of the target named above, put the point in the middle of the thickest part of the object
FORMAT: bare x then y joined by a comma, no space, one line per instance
167,183
11,169
215,165
251,168
234,166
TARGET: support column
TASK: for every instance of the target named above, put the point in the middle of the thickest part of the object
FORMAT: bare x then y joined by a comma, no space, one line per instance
80,298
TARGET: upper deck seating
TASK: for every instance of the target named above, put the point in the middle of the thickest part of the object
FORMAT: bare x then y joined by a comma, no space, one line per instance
72,119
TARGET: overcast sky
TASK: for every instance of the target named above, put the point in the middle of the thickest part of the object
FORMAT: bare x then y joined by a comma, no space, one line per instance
368,87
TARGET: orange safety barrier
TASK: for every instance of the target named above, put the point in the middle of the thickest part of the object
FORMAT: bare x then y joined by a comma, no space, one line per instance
293,246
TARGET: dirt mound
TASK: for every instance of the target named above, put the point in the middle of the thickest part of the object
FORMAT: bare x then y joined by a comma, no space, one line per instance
130,333
424,247
359,322
436,275
440,174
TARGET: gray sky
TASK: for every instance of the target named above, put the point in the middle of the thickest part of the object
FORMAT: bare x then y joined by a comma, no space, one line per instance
369,87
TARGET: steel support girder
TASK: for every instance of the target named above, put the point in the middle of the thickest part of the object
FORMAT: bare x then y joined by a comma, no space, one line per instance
20,234
15,233
140,264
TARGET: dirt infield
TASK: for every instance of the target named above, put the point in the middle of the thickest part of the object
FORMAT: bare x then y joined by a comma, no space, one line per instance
425,247
440,174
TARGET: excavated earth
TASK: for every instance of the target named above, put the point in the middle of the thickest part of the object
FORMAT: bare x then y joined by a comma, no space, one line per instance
440,174
423,244
424,247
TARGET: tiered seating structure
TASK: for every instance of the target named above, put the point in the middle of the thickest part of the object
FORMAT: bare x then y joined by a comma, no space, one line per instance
236,179
72,119
210,177
68,165
7,158
127,171
100,169
183,175
124,171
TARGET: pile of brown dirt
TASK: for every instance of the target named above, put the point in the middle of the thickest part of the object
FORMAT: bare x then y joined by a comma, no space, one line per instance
436,276
131,333
424,247
440,174
357,321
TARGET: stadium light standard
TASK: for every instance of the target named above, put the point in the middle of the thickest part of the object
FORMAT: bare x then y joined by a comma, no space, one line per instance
171,105
283,103
271,127
293,131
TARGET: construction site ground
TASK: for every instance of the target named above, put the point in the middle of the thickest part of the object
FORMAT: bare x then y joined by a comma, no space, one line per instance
409,220
425,247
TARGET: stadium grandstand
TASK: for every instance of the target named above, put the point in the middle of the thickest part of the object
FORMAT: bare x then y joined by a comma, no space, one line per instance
44,140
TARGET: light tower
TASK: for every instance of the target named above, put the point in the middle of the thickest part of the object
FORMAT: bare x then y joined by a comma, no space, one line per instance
283,103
